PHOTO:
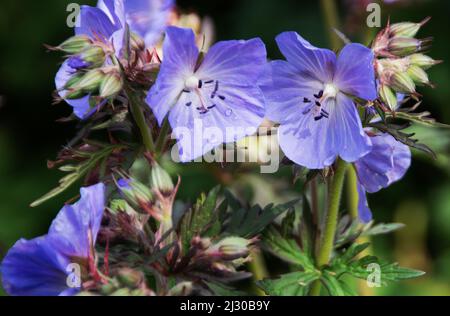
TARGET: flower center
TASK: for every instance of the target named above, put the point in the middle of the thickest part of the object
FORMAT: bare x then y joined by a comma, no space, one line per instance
330,91
191,83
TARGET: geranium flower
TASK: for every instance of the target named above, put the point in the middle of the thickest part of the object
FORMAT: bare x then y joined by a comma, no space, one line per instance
148,18
42,266
105,25
310,95
218,92
387,163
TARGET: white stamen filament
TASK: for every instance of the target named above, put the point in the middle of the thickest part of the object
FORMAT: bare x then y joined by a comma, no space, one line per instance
191,83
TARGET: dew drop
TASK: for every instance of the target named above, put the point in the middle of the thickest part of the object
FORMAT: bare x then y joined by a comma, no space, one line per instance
228,112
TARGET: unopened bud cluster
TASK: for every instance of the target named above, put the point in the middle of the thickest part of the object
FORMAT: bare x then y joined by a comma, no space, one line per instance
401,63
92,75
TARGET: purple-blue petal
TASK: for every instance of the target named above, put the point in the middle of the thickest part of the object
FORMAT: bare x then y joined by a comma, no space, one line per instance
284,89
364,212
316,144
74,230
355,73
34,268
180,57
94,23
387,163
311,62
234,61
148,18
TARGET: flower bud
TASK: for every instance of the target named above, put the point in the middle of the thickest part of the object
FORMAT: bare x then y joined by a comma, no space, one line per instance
161,180
75,44
231,248
388,97
401,82
129,277
93,56
418,75
181,289
91,81
406,29
111,85
403,46
423,61
136,42
135,192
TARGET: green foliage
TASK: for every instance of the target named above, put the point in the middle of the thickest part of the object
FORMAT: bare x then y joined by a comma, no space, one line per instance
291,284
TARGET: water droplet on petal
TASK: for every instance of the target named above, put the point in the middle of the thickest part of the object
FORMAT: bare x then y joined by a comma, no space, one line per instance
228,112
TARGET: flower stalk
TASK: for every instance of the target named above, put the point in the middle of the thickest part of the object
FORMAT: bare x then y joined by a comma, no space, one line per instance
331,220
140,120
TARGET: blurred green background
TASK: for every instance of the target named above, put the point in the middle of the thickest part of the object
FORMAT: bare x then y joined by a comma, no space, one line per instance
29,134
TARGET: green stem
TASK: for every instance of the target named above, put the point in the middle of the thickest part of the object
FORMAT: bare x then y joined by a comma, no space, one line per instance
331,220
160,142
258,268
138,114
352,193
332,21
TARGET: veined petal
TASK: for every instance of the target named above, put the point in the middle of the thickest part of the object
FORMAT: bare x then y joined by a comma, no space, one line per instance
34,268
387,162
321,134
218,114
81,107
180,59
365,214
148,18
115,11
285,89
94,23
355,73
234,61
74,230
311,62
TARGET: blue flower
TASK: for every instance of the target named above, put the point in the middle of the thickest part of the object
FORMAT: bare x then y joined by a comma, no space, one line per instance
216,92
148,18
310,95
387,163
106,24
43,266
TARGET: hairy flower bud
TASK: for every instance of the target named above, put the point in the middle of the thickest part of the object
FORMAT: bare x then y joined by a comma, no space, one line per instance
136,42
407,29
402,82
75,44
161,180
111,85
388,96
404,46
231,248
423,61
93,56
136,193
418,75
91,81
130,278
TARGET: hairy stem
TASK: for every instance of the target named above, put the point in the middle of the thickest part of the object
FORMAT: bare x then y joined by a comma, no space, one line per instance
139,118
331,220
258,268
160,142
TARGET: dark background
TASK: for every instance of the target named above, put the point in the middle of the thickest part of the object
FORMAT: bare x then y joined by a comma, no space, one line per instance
29,134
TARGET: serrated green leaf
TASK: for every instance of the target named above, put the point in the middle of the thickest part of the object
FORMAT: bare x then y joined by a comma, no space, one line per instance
420,118
199,218
287,249
332,284
80,172
249,223
223,290
382,229
291,284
